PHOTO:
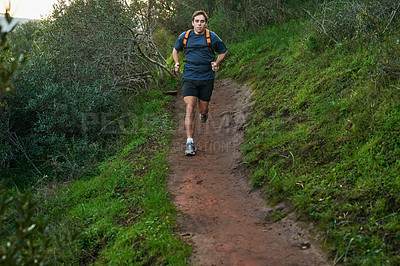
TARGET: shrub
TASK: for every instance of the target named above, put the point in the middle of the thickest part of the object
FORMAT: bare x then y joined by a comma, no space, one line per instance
367,20
240,17
373,23
75,92
21,39
9,68
30,243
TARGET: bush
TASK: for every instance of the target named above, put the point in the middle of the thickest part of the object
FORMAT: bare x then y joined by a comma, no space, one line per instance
74,94
24,234
21,39
30,243
9,68
229,19
241,17
372,22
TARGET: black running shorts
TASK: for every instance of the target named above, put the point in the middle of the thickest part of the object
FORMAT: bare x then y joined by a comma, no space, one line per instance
201,89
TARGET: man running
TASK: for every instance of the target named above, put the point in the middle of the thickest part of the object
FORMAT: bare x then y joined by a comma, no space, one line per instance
198,75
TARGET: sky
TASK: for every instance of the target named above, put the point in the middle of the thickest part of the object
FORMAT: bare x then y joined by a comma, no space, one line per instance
33,9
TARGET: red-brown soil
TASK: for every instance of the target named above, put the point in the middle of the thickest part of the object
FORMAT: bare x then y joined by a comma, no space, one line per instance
220,217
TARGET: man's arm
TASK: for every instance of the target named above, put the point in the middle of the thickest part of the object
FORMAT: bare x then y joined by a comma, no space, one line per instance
215,65
175,56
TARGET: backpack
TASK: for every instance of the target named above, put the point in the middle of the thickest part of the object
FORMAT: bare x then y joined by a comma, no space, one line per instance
208,39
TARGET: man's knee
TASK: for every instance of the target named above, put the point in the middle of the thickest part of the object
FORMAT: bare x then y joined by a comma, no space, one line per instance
190,109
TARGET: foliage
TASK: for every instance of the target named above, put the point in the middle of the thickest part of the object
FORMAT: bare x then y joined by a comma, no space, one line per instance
30,243
323,136
176,15
86,42
229,19
147,15
25,240
9,69
65,107
75,93
9,66
361,19
22,38
242,16
369,22
121,214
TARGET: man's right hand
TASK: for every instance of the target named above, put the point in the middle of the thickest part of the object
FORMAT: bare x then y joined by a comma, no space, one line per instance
214,66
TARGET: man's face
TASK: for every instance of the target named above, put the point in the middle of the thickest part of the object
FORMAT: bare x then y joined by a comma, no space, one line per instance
199,24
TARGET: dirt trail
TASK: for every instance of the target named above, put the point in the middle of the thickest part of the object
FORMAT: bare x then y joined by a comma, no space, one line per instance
225,223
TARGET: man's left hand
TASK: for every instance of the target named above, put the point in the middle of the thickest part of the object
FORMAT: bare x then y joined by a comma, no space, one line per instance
214,66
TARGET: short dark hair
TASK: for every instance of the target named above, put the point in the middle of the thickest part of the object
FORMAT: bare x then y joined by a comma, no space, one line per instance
200,12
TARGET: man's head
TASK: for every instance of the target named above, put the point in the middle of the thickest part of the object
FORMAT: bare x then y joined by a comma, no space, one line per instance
199,21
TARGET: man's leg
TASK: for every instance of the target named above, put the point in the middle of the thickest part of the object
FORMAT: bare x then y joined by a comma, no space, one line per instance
204,98
203,107
191,102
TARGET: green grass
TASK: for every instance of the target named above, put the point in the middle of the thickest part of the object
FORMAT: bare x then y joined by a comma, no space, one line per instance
122,215
324,138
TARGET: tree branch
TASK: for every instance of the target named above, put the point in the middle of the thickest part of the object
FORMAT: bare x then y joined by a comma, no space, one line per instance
137,45
391,18
322,27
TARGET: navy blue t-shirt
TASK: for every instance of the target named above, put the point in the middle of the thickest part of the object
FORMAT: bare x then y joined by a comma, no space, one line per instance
197,51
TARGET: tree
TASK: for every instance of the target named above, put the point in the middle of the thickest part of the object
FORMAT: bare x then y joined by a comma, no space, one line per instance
22,38
88,60
9,66
29,244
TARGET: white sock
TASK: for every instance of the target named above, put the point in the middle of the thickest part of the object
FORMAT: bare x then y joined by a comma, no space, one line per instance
189,140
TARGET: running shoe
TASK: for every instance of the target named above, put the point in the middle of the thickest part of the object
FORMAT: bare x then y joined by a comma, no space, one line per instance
190,149
203,118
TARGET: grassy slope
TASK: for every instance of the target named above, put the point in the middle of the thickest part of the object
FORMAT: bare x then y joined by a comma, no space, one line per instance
324,138
123,215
